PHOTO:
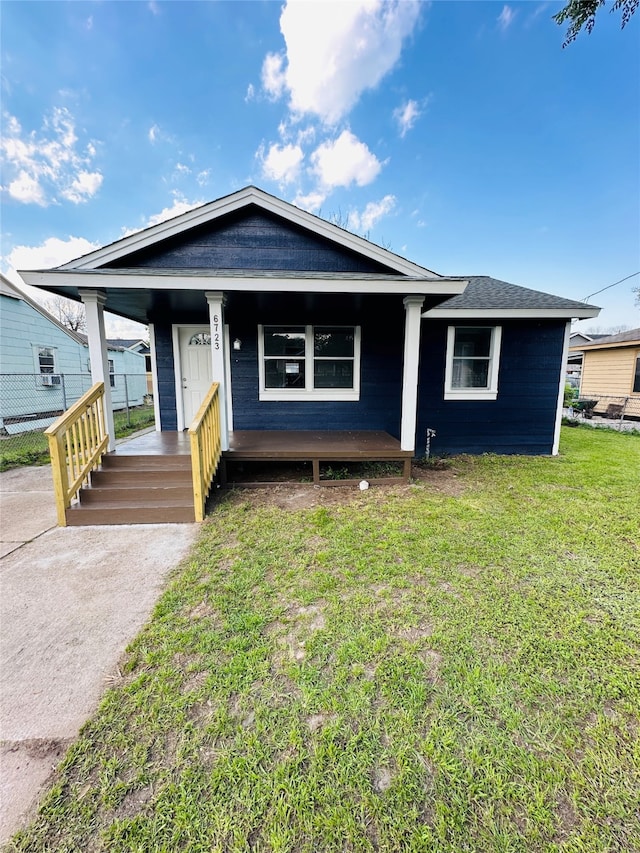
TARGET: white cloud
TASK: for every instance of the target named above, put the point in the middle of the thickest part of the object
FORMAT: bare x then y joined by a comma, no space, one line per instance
154,130
406,116
273,77
311,202
26,189
505,18
344,161
52,253
42,168
373,212
282,162
335,52
84,186
203,177
251,93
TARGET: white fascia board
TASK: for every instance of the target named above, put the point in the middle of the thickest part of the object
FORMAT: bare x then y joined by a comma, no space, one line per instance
154,281
510,313
229,204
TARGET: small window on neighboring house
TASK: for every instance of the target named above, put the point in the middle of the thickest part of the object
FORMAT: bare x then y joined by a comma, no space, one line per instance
46,360
112,375
309,362
636,378
473,357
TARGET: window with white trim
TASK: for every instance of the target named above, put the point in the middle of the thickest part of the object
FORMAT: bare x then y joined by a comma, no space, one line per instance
473,359
636,377
112,373
46,357
309,362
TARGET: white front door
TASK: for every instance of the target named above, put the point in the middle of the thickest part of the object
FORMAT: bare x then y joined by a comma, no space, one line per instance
196,369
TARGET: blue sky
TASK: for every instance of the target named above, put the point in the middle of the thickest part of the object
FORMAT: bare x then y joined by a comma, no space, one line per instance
459,134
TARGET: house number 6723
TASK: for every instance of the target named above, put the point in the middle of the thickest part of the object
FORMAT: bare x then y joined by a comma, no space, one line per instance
216,331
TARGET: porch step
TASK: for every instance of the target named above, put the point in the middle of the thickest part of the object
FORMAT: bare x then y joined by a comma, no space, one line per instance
141,489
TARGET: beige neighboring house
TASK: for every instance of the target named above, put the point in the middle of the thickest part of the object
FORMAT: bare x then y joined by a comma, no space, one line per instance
611,373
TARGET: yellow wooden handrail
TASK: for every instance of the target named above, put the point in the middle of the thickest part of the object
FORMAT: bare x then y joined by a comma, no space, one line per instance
206,448
77,441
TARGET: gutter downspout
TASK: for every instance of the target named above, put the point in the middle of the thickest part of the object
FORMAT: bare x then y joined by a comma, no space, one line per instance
563,372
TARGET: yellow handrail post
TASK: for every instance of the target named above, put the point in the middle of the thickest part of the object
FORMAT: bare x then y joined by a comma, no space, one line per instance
206,444
60,476
75,447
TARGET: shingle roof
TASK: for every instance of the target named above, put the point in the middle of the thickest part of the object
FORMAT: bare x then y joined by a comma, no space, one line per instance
632,336
484,292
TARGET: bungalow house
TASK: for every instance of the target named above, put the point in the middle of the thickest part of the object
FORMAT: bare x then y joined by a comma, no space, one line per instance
323,345
44,366
611,373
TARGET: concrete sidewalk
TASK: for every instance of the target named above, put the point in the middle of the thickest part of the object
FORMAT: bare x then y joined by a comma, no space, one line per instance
70,600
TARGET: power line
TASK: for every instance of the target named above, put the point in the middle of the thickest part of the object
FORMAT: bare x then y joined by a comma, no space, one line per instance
611,285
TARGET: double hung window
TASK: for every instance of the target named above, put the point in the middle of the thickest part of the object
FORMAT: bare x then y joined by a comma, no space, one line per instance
473,356
309,362
46,360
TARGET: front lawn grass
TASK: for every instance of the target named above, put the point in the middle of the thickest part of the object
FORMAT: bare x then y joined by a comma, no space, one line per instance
414,670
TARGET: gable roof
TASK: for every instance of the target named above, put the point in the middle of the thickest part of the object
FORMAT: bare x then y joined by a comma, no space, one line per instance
490,297
232,203
9,289
623,339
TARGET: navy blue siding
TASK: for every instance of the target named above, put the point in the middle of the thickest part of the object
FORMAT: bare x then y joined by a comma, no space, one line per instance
166,377
251,241
379,406
521,420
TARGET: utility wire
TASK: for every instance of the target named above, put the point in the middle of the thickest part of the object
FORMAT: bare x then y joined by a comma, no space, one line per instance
611,285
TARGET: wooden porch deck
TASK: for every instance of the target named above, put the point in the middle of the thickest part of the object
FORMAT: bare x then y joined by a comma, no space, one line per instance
314,446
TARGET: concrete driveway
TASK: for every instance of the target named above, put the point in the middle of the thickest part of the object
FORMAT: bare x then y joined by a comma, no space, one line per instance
71,599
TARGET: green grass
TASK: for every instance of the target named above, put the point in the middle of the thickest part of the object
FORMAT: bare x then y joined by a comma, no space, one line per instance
451,666
32,448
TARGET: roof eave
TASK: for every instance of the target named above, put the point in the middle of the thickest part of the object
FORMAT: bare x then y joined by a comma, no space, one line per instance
570,312
143,279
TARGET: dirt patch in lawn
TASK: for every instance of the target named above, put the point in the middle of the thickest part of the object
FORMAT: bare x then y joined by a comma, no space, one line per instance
282,488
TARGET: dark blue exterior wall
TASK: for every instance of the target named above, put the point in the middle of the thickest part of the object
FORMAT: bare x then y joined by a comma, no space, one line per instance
521,419
382,336
252,240
166,376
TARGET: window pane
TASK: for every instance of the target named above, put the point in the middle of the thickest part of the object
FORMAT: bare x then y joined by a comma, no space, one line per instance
333,374
45,360
470,373
284,340
636,380
472,343
200,339
284,373
335,342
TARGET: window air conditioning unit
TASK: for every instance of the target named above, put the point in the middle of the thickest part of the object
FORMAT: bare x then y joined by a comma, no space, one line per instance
50,379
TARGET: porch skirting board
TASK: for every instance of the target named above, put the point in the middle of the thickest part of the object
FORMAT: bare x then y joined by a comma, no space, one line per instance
316,447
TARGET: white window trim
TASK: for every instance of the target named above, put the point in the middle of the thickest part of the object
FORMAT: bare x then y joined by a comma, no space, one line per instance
309,392
489,393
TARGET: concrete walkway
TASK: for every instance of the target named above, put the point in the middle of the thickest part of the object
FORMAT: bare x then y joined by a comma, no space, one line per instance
71,599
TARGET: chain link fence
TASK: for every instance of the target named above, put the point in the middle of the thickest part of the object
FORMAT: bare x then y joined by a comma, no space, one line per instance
621,413
30,402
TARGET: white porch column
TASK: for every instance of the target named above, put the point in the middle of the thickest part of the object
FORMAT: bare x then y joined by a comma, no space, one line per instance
413,308
218,358
94,301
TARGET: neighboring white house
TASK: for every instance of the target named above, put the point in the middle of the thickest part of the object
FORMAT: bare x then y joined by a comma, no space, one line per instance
44,366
